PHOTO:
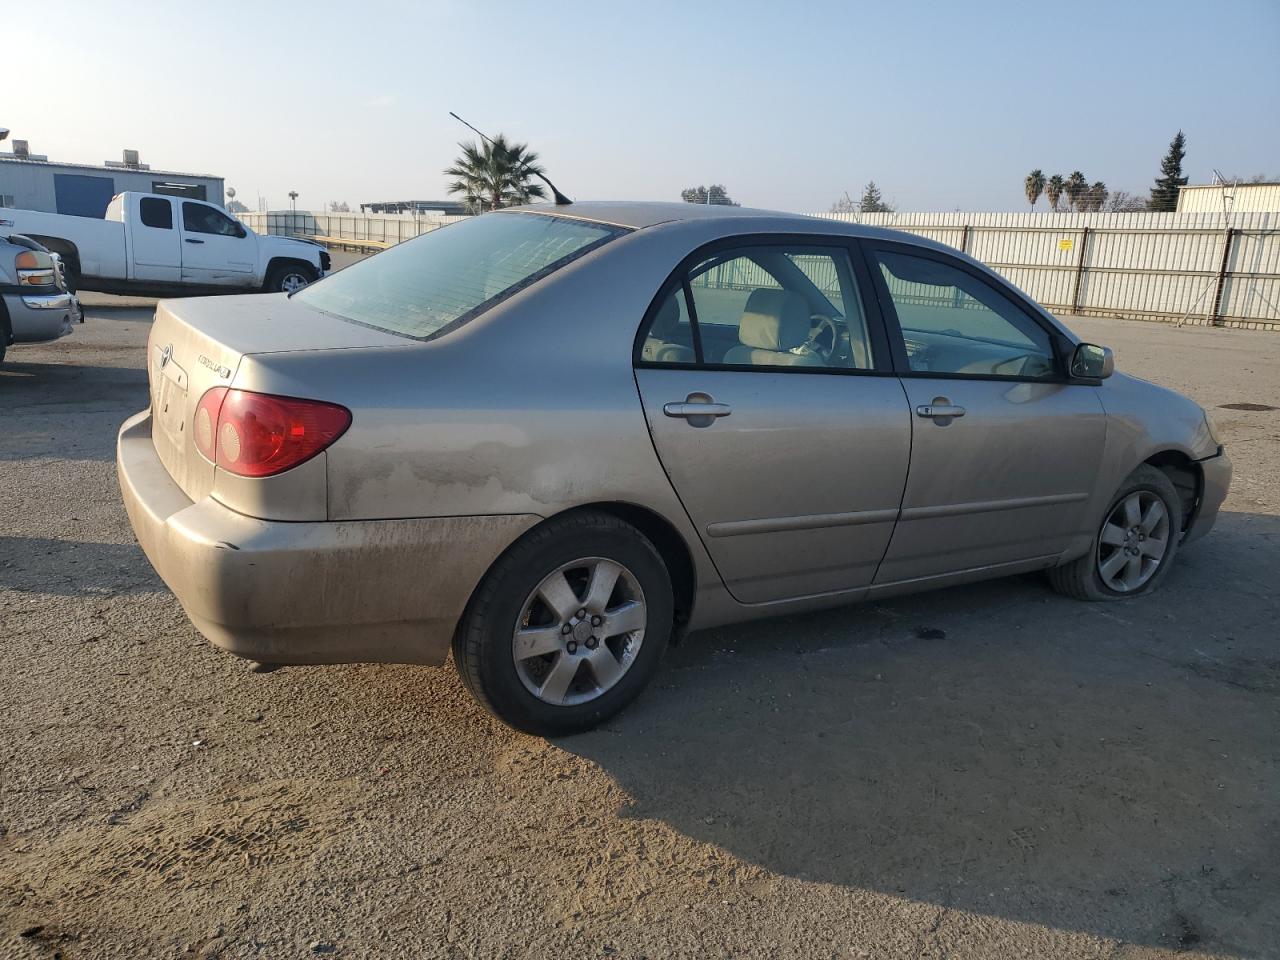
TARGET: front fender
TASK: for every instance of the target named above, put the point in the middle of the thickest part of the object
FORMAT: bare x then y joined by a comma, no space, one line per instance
1143,421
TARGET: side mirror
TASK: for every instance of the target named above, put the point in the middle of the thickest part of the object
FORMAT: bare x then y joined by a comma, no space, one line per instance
1092,362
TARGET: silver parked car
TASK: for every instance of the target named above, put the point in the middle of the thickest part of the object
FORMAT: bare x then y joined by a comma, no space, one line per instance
553,439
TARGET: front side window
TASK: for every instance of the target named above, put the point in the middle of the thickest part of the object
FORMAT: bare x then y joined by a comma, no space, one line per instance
955,323
197,218
156,213
764,306
445,277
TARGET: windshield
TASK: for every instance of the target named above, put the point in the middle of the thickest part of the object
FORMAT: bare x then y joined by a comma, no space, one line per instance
444,278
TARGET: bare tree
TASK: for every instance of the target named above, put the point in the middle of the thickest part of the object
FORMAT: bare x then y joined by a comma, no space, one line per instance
844,205
1122,201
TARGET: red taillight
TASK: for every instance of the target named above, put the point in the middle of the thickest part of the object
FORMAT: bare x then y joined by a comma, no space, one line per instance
206,422
258,435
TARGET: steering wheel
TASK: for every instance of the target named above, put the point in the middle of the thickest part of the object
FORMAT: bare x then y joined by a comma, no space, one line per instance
824,336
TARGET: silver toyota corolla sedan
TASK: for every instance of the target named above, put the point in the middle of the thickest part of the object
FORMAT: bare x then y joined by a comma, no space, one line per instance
555,438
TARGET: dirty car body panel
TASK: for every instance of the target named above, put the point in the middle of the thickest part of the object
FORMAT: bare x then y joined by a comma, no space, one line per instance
465,437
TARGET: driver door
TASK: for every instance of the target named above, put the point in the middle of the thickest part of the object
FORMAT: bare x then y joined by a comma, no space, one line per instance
215,248
1005,450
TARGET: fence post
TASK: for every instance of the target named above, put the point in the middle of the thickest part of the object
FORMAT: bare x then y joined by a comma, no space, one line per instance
1215,314
964,239
1075,287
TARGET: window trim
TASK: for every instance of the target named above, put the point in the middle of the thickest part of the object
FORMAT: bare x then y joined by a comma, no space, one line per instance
897,346
678,278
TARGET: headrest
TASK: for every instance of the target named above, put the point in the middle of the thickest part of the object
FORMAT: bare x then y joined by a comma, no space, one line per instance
666,319
774,320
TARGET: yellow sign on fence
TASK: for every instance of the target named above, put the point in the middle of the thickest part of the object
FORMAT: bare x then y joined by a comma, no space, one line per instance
1066,243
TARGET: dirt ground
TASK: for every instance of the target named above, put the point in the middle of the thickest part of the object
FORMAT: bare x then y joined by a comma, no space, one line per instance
989,771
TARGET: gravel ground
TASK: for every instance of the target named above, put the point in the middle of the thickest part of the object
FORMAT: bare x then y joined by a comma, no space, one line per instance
988,771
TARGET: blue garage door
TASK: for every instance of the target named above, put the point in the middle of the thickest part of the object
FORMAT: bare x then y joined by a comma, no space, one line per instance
82,196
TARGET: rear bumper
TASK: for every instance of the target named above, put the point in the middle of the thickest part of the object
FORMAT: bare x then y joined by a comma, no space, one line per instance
36,317
1216,472
387,591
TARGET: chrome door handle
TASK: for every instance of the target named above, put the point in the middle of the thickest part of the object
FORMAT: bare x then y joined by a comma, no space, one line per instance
697,409
940,409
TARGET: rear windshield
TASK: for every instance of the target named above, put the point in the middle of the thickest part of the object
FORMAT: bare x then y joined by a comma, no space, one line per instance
446,277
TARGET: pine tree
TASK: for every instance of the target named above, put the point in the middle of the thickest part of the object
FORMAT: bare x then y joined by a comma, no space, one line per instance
872,201
1164,195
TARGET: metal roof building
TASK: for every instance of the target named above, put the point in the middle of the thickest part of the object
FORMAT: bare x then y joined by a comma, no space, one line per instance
1230,198
30,182
445,207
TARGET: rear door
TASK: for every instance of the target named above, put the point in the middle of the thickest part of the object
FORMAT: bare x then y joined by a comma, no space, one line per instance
1005,450
772,405
215,248
154,241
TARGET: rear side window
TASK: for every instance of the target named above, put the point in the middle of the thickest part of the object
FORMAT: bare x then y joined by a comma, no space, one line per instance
763,306
446,277
156,213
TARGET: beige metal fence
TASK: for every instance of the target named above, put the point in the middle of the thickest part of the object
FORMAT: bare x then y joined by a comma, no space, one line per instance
1206,268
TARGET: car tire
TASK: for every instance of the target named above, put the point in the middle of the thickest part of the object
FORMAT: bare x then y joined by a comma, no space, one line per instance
1087,577
284,278
509,606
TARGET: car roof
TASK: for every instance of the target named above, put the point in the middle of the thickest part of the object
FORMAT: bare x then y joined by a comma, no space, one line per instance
637,214
640,215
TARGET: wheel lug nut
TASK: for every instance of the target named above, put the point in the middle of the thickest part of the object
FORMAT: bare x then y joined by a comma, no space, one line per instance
581,614
592,643
596,621
572,646
566,629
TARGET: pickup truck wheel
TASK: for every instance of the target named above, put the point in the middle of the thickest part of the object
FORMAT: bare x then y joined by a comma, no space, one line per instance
289,278
568,626
5,332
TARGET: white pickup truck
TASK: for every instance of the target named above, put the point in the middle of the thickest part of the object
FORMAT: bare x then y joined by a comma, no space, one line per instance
153,245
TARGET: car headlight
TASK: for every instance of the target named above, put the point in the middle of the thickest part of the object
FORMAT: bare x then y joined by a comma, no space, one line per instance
35,269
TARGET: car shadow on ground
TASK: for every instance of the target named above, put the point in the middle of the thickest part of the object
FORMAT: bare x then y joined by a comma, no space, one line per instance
74,568
996,749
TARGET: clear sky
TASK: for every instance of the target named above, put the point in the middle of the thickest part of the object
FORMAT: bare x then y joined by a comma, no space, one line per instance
947,105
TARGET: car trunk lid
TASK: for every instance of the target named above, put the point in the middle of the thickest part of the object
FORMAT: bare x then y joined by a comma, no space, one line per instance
197,344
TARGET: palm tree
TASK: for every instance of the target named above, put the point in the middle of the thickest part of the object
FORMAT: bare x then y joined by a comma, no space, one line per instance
1034,186
1053,190
1077,186
1097,196
493,175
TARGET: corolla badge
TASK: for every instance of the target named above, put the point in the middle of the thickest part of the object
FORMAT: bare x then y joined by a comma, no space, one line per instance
217,368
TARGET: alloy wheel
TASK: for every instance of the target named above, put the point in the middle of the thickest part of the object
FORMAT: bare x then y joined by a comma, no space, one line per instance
579,631
293,282
1133,542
